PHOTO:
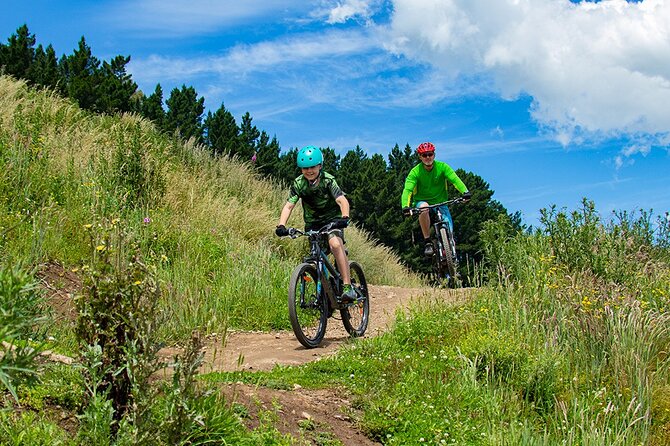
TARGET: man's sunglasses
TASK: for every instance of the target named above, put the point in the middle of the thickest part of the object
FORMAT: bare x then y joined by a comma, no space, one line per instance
427,154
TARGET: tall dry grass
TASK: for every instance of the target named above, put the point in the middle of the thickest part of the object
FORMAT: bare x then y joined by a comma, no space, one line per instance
207,224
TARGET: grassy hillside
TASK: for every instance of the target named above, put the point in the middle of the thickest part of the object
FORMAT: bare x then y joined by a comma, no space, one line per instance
70,178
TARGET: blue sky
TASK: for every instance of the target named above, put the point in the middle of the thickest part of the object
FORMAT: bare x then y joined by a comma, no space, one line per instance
548,100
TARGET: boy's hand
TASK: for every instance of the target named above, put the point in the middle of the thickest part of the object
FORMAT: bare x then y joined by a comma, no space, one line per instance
467,196
341,223
281,231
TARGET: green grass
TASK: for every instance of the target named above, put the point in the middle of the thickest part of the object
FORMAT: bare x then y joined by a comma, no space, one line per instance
206,224
566,343
554,351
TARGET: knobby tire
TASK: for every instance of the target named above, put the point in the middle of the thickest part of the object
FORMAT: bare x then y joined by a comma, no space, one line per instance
450,264
307,310
355,316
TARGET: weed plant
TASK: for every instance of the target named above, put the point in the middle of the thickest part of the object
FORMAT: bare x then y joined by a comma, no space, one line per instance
21,327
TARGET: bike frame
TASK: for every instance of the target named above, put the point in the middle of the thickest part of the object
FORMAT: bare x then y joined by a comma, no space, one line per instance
324,267
438,223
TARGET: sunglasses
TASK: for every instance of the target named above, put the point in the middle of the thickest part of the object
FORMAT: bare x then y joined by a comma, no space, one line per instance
427,155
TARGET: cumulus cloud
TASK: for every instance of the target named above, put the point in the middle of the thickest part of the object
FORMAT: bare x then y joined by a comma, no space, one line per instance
592,69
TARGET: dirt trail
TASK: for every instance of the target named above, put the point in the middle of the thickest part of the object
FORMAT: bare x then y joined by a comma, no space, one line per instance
262,351
327,413
311,416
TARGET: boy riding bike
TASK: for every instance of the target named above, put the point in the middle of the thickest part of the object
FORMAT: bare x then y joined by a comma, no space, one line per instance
323,202
426,184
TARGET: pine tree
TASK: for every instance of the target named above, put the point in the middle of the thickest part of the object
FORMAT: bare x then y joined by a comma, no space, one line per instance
249,135
331,161
287,168
267,156
17,57
184,115
151,107
44,71
221,132
81,74
116,86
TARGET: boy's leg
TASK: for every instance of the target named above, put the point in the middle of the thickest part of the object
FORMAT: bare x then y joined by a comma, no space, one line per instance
337,248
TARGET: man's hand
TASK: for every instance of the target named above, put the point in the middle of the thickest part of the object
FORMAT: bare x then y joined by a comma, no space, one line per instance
281,231
341,223
467,196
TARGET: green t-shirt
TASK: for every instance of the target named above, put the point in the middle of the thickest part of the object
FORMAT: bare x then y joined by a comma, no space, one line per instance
430,186
318,203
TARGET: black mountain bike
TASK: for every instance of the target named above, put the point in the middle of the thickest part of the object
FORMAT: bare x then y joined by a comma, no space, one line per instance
444,260
314,289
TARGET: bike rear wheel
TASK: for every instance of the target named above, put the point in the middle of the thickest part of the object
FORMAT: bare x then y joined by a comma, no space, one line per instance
307,307
355,316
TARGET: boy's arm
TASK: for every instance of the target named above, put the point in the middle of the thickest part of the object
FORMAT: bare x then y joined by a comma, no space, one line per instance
286,213
344,205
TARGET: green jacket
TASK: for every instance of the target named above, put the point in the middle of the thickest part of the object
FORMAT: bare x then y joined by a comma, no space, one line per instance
430,186
318,203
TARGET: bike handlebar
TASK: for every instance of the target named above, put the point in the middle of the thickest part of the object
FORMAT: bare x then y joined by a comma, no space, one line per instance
417,211
295,232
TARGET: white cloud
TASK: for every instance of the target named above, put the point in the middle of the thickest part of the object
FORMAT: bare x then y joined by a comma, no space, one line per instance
593,69
196,17
296,53
347,9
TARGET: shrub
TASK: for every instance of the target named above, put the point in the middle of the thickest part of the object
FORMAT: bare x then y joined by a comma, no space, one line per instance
21,319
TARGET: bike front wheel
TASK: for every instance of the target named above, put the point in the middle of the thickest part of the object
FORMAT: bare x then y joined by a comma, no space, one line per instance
307,306
355,315
446,252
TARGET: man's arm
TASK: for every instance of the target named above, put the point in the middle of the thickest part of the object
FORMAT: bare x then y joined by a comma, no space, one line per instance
455,180
408,190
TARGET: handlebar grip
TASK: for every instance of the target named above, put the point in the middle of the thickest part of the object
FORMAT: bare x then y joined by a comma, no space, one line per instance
339,224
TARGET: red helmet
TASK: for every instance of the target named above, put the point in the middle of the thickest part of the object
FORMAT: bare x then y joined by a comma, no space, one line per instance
425,147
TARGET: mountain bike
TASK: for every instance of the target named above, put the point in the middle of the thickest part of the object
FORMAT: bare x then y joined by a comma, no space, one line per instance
314,290
444,260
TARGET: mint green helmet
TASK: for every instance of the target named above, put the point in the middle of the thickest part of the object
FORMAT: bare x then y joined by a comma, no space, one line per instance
309,156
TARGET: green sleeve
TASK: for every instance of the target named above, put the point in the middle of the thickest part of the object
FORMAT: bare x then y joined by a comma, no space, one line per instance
455,180
409,189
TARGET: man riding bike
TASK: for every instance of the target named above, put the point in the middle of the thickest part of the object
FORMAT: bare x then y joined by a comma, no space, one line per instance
322,202
426,184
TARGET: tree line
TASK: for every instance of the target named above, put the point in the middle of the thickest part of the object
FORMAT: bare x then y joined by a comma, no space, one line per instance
373,183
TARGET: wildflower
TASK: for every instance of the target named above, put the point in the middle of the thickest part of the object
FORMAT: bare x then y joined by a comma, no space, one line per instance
137,282
100,248
115,221
164,258
147,220
88,226
253,158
